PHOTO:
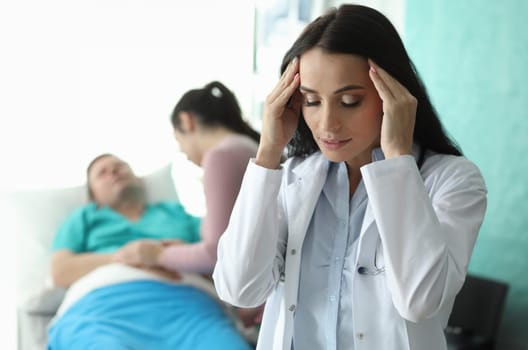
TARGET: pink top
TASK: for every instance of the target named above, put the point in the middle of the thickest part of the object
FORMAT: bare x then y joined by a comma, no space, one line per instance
223,170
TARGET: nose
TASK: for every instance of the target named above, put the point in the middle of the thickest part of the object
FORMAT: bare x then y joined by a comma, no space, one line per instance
328,120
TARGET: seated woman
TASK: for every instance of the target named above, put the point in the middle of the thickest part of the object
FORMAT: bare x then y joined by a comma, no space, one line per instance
210,129
114,306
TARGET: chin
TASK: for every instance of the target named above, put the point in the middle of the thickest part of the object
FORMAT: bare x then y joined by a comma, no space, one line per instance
335,156
350,156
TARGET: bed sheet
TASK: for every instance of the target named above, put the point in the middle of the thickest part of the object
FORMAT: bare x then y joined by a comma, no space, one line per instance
121,307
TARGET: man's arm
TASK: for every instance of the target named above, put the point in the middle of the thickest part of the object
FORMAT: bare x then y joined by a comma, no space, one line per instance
67,267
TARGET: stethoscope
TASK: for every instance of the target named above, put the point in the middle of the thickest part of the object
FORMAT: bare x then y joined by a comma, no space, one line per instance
363,270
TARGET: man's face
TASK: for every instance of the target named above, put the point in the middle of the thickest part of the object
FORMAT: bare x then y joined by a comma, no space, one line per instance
110,178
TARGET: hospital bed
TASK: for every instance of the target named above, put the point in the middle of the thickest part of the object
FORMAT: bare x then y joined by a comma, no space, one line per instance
34,216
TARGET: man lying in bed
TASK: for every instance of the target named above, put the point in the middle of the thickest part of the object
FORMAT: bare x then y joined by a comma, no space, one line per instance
114,306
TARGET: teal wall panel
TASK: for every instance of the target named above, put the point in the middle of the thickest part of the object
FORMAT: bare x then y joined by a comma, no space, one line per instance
473,57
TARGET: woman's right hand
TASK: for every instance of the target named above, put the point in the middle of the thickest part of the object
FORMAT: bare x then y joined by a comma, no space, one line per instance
281,116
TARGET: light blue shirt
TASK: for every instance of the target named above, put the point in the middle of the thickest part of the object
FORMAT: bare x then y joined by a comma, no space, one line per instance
323,317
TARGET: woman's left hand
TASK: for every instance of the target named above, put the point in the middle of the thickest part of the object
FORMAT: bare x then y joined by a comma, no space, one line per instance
399,113
141,253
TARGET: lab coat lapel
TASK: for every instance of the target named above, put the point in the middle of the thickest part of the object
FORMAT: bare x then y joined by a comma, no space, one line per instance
368,221
367,239
303,193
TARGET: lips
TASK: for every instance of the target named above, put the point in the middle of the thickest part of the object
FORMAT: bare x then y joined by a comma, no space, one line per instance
333,144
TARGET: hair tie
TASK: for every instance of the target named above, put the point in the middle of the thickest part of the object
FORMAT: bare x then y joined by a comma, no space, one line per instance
216,92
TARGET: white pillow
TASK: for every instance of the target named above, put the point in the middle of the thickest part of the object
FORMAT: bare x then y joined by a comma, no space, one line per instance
34,217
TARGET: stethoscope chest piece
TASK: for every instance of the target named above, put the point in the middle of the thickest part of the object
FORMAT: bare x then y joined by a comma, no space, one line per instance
374,270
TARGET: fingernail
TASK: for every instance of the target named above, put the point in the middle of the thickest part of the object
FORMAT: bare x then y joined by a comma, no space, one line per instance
372,69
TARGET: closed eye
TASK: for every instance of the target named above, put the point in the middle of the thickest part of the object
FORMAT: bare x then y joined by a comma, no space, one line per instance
350,104
349,101
311,103
101,172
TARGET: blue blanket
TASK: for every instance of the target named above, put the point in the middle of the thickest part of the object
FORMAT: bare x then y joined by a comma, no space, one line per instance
145,315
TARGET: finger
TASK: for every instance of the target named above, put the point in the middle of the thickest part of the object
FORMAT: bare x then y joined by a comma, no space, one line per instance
285,80
392,85
122,258
296,100
288,97
292,68
382,88
168,242
117,256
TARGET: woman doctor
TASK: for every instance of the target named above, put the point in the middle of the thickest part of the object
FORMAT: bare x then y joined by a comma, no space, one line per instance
362,238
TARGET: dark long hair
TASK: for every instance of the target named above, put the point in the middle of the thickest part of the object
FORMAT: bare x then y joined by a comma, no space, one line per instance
360,30
214,105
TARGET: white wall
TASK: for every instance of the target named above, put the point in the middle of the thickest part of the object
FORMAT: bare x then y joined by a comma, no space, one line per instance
82,78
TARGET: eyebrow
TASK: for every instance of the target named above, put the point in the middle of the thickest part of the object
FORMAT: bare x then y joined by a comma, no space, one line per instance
99,170
344,88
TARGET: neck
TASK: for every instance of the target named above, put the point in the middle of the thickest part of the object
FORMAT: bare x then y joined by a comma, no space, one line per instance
131,202
354,177
354,172
131,209
210,138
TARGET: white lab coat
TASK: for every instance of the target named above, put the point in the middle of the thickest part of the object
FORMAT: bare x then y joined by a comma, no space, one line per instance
420,224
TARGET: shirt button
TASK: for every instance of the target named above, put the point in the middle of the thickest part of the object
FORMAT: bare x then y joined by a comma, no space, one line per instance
360,336
293,252
292,308
332,298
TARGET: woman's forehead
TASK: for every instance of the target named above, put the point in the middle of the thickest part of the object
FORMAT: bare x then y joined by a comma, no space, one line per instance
319,68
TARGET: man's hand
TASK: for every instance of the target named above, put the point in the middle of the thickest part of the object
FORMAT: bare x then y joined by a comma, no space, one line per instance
169,242
252,316
140,253
170,275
